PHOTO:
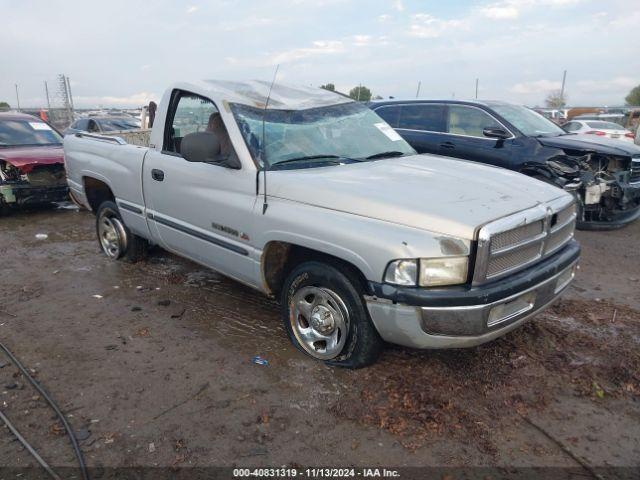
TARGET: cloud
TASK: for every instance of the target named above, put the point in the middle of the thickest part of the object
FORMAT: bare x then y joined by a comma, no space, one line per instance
384,17
247,23
362,40
319,47
615,84
136,100
398,5
424,25
500,12
510,9
537,86
192,9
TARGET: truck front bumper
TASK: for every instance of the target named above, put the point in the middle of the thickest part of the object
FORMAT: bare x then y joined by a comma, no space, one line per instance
461,317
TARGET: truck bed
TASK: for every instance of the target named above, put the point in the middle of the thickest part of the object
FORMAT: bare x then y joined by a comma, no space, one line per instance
109,159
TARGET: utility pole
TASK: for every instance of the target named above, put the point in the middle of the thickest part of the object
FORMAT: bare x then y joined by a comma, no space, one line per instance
46,91
69,90
359,90
17,97
564,79
418,92
477,79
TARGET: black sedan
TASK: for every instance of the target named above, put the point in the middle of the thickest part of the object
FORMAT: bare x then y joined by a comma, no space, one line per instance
604,175
103,124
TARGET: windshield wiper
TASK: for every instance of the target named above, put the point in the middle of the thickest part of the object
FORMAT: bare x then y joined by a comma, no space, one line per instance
391,153
331,157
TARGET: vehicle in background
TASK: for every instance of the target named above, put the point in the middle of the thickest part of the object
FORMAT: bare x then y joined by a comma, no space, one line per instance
360,238
603,117
31,162
103,124
559,117
599,128
603,174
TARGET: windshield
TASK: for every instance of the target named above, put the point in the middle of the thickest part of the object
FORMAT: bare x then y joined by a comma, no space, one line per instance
27,132
115,124
530,123
349,130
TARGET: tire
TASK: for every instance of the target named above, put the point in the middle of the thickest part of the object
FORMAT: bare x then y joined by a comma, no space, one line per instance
115,239
324,313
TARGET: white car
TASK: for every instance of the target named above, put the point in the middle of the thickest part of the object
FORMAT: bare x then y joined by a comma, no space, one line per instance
599,128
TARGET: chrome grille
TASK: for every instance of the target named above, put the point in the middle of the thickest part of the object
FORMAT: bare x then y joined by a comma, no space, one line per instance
513,259
514,242
559,237
635,170
516,235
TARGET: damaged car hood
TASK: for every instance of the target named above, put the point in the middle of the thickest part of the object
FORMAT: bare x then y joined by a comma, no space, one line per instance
591,143
433,193
26,158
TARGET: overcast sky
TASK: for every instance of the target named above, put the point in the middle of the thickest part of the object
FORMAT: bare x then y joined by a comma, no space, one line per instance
124,53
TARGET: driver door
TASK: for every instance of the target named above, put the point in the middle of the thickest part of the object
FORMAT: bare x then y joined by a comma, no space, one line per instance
202,211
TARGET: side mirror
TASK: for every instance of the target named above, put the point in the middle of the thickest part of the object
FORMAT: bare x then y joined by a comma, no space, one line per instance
200,147
498,133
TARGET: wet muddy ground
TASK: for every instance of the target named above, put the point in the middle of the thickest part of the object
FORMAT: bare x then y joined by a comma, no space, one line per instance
152,363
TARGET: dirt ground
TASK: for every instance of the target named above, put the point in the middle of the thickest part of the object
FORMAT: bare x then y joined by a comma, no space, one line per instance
152,363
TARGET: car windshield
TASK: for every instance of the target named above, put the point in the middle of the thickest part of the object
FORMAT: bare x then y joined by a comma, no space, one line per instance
605,125
115,124
349,131
27,132
530,123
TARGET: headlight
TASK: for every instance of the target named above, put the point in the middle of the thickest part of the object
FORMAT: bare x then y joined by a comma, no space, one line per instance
443,271
402,272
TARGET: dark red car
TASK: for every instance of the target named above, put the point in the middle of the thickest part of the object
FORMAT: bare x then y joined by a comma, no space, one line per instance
31,162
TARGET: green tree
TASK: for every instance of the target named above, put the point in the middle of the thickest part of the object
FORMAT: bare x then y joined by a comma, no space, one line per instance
329,86
556,99
634,96
4,106
360,93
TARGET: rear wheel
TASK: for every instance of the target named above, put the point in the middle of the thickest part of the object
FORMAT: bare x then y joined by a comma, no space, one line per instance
116,240
326,317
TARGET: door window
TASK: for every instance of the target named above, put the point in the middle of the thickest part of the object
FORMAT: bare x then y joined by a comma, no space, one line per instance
93,127
390,114
572,126
425,117
469,121
189,113
82,125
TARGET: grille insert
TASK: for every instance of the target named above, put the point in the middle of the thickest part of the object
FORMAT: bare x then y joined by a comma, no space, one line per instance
515,242
635,170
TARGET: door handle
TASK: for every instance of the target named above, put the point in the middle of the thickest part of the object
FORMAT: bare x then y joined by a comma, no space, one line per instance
157,175
447,145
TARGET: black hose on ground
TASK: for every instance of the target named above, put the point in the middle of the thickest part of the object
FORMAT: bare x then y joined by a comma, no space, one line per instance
29,448
67,427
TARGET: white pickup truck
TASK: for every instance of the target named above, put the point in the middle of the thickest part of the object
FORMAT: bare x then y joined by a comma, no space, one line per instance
309,196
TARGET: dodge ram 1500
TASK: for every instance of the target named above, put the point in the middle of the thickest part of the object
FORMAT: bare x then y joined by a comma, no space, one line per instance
309,196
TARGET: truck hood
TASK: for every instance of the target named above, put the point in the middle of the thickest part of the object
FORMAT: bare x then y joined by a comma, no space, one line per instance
439,194
591,143
26,158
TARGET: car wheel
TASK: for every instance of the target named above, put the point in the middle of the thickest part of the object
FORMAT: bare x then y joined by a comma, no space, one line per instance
116,240
325,316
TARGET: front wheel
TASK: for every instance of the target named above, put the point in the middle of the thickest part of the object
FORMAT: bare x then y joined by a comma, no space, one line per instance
326,318
116,240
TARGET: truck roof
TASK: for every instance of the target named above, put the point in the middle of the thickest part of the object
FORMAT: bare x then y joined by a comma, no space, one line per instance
254,93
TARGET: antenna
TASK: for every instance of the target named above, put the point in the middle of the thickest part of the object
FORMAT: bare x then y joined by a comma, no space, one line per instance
263,150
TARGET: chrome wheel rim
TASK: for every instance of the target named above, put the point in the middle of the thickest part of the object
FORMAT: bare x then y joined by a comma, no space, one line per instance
110,234
320,321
